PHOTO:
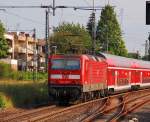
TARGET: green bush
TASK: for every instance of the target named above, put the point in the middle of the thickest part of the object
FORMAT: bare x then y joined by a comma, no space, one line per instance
13,75
2,104
23,94
20,93
5,70
7,73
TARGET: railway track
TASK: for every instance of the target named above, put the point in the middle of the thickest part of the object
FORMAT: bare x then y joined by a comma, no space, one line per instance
54,113
11,111
127,104
73,113
23,116
110,109
104,108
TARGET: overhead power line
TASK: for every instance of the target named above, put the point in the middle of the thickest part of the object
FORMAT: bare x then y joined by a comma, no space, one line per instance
86,2
42,6
53,7
21,17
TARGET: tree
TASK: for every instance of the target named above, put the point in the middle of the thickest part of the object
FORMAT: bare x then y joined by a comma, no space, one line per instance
91,29
134,55
109,34
3,42
71,38
90,24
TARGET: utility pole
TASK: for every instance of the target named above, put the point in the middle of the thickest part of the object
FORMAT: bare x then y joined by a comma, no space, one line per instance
53,8
149,48
93,30
46,39
48,44
26,54
34,33
146,49
35,57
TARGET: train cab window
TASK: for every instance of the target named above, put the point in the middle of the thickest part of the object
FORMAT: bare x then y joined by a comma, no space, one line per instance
57,64
66,64
72,64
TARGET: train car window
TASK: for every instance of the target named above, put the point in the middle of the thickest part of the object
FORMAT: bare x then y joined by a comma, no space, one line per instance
66,64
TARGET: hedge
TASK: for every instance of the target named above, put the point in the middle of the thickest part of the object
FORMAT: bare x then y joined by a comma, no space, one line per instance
7,73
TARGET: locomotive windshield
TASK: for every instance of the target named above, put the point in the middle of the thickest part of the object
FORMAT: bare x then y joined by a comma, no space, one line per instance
66,64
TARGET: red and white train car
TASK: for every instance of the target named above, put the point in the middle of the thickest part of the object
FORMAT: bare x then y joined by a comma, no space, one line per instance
73,77
126,73
76,76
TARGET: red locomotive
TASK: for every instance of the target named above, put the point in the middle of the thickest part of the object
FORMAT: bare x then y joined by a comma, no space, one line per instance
74,77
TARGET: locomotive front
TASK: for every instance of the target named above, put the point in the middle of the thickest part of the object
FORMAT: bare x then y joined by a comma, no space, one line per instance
64,79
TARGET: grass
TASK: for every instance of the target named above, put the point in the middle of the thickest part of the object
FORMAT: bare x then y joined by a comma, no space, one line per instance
22,93
20,89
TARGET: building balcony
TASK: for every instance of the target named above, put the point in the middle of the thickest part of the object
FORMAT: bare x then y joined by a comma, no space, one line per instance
31,39
32,63
21,50
30,51
9,37
21,38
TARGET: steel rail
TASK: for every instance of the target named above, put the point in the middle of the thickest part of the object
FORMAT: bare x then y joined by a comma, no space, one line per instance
26,113
56,113
65,110
124,111
94,115
101,112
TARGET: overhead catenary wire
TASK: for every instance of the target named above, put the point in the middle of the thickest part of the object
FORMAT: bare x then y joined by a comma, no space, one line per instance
28,6
54,8
86,2
48,7
24,18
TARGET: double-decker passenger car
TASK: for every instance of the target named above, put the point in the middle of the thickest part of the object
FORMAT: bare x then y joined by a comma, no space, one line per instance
74,77
126,73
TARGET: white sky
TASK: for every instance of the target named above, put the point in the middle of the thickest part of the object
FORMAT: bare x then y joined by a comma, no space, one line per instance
131,16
